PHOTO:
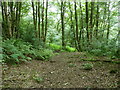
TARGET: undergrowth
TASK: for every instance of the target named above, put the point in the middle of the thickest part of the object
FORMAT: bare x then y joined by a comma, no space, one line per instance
17,51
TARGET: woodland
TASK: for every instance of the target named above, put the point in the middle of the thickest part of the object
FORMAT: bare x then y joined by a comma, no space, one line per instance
60,44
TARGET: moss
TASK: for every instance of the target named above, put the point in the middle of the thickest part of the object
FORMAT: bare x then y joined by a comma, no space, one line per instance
70,49
55,47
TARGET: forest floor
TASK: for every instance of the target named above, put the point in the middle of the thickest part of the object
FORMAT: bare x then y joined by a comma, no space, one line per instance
64,70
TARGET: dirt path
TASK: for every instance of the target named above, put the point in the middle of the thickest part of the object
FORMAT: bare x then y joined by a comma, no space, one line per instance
62,71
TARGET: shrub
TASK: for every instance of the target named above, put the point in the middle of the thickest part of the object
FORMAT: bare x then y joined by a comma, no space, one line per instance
12,52
16,51
102,47
42,54
87,66
72,65
96,52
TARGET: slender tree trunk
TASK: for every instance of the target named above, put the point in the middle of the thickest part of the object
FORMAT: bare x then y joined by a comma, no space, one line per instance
62,22
36,17
82,31
72,24
97,21
19,17
91,20
3,16
108,28
46,20
118,48
3,19
76,19
104,20
34,20
39,20
17,12
86,5
43,33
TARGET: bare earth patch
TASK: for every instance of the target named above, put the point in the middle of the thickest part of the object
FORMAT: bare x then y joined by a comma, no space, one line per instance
62,71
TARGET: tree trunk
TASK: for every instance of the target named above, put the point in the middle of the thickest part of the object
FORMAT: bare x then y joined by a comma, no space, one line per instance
72,25
43,34
108,28
86,5
104,20
76,20
39,20
62,22
46,20
34,20
82,31
19,16
91,20
3,19
97,21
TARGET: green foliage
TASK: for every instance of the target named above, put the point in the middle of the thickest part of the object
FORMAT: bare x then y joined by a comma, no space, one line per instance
87,66
103,48
43,54
70,49
16,51
55,47
58,47
12,53
116,62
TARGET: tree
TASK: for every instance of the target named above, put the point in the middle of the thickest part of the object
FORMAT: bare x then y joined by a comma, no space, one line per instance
34,18
108,27
104,19
43,33
46,21
97,21
72,25
62,22
86,6
76,21
11,14
81,26
91,20
39,20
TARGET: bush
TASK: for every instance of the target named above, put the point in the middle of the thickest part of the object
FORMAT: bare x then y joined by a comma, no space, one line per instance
16,51
102,47
96,52
44,54
87,66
